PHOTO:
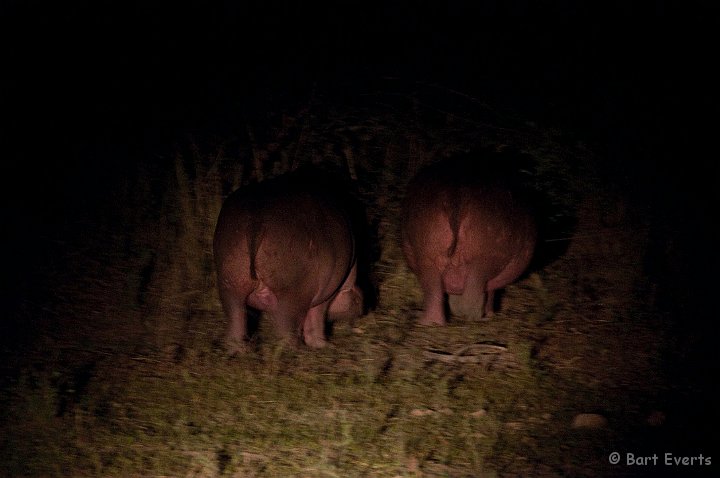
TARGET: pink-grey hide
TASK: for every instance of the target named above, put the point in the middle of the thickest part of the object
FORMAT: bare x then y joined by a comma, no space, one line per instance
465,234
285,248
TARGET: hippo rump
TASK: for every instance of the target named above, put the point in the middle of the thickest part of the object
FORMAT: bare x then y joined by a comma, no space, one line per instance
286,247
465,233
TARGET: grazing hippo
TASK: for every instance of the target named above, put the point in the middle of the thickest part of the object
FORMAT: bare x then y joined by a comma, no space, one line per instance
285,247
465,233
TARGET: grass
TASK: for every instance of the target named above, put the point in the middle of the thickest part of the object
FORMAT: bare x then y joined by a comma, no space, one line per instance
129,376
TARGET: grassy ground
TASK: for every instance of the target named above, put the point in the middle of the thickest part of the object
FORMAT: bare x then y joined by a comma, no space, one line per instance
128,376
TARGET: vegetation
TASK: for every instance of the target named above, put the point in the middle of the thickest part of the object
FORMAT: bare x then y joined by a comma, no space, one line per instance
128,376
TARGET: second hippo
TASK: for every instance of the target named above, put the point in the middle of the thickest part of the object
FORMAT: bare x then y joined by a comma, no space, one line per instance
285,247
465,233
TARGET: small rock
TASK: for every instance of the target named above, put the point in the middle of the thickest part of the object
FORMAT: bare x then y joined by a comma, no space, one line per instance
589,420
418,412
514,425
656,418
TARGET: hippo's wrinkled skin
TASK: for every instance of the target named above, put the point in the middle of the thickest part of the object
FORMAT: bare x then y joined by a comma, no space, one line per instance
464,234
285,248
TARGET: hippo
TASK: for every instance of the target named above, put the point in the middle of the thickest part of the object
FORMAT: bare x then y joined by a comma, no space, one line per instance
465,233
285,247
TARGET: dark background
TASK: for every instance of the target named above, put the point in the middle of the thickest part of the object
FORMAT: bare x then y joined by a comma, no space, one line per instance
91,88
102,79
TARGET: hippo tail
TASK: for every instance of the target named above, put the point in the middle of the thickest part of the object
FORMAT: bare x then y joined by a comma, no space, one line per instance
453,208
255,233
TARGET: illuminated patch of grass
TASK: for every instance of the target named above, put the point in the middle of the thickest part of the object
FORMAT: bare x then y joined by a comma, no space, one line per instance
162,399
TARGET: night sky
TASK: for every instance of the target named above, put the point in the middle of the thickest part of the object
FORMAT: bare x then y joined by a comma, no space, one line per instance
90,88
87,77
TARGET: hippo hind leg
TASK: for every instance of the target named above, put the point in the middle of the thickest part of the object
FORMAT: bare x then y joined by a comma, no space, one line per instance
314,326
348,302
490,303
236,310
347,305
433,299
